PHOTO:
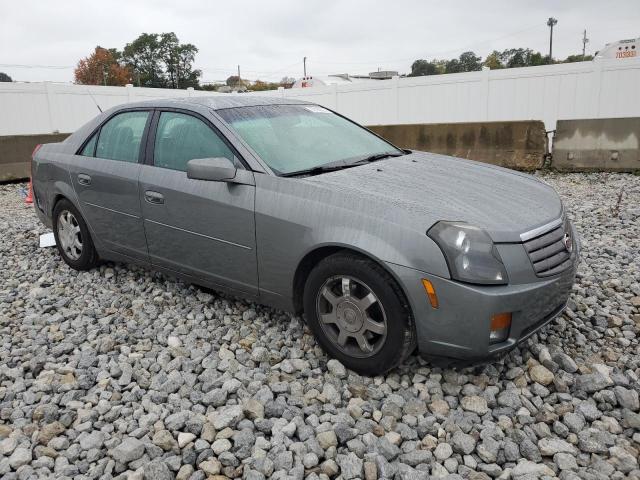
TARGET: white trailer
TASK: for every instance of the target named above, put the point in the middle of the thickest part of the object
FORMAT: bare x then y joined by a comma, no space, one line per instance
621,49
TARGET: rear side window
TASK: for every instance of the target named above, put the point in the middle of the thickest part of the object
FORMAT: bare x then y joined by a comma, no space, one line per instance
181,137
90,148
121,136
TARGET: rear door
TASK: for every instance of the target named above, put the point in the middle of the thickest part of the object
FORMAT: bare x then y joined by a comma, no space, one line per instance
105,178
201,228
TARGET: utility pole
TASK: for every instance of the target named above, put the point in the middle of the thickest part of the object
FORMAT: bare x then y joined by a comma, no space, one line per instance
238,74
550,23
304,66
585,40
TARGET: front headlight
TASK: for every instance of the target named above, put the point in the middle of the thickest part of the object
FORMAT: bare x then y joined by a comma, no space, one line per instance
470,253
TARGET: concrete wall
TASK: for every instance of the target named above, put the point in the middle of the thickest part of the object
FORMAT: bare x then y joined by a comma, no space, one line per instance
15,153
611,144
518,145
579,145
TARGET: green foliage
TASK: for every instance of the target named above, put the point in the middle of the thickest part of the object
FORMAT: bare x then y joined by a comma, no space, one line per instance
522,57
423,67
161,61
469,62
577,58
493,61
466,62
260,86
4,77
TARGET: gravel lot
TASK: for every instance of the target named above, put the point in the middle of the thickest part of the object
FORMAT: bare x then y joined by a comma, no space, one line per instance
124,373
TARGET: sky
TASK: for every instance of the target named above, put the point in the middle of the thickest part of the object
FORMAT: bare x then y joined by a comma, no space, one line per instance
269,39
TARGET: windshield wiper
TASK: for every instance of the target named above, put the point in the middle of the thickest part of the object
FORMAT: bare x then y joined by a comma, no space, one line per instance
318,170
332,167
377,156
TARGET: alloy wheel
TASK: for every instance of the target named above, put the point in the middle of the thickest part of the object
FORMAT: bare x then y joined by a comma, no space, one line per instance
352,316
69,235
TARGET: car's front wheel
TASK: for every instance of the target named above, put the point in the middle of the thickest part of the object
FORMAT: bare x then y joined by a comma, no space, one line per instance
358,313
72,237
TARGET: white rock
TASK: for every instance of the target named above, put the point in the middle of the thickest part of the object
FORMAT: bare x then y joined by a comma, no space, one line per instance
185,438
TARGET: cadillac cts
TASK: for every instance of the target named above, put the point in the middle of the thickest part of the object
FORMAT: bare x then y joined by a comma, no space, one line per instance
292,205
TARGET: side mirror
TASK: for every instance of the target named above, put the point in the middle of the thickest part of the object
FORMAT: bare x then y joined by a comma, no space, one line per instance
219,169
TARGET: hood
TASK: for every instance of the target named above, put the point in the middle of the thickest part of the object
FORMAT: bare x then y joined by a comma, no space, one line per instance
424,188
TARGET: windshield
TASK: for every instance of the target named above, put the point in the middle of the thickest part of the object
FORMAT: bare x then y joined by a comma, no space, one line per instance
298,138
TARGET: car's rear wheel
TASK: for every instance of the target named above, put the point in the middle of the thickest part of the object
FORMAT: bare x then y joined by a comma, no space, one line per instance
72,237
358,313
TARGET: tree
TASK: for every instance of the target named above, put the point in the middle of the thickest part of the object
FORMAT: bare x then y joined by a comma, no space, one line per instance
469,62
287,82
423,67
260,86
101,68
178,61
493,61
209,87
233,81
4,77
522,57
577,58
453,66
160,60
144,57
466,62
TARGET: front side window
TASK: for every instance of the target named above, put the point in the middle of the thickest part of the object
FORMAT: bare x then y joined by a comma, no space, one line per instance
181,137
294,138
121,136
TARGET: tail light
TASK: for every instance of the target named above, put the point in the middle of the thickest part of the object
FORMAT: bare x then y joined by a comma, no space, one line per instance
30,195
33,154
35,150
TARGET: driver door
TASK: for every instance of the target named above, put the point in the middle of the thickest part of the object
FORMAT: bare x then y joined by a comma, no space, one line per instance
205,229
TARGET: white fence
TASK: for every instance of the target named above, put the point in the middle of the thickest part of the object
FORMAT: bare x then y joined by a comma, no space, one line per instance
32,108
599,89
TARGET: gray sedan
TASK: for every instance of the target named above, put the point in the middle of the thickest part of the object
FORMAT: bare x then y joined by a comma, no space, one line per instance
292,205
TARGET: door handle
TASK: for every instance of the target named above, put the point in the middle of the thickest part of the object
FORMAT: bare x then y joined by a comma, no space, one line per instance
84,179
154,197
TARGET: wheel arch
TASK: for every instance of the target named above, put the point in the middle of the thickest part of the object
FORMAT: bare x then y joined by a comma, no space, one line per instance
62,190
319,253
56,198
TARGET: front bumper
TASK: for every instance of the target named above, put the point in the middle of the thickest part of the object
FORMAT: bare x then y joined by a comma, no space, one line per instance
459,329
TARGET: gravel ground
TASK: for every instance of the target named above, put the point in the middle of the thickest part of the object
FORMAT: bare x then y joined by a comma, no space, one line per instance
124,373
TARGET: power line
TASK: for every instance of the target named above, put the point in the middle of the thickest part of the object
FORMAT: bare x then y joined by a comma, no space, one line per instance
434,54
13,65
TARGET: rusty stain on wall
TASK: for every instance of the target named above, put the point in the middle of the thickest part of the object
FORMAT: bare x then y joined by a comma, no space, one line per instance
518,145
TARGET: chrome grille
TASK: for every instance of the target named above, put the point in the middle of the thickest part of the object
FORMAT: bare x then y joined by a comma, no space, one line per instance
548,252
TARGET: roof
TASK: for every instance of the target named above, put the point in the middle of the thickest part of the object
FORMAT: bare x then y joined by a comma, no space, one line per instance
219,102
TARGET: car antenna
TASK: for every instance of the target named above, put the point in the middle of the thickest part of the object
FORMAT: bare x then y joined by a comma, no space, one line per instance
94,100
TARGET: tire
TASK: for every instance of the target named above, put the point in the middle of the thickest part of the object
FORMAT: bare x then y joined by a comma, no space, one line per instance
65,217
332,315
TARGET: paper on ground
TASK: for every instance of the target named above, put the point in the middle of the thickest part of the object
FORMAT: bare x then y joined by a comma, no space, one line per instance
47,240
